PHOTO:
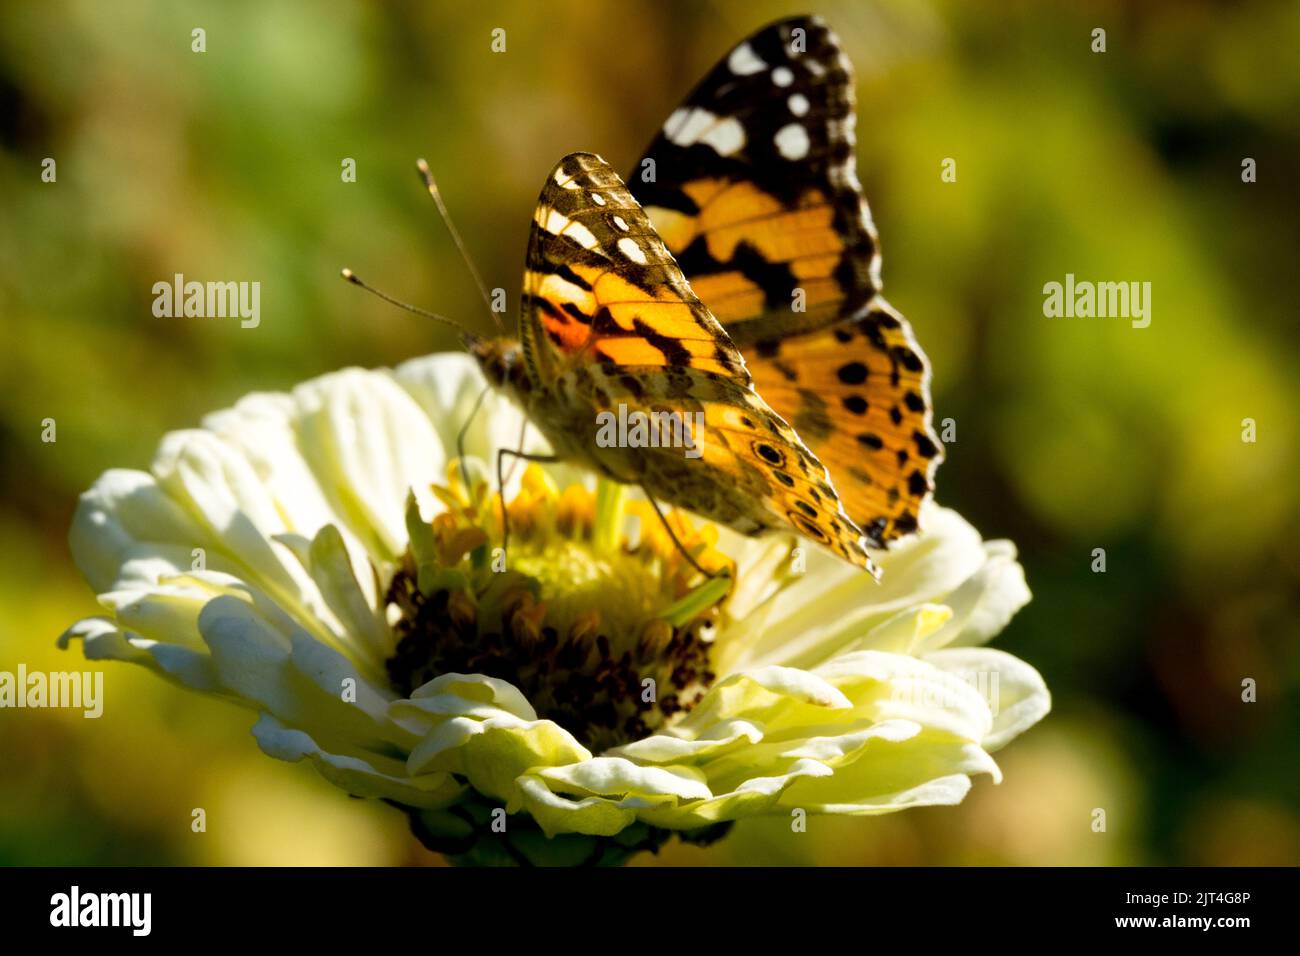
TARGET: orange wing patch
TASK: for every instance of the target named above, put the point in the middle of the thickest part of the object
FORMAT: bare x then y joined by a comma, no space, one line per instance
745,251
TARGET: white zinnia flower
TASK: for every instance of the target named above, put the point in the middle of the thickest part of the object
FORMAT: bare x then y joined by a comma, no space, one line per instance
316,557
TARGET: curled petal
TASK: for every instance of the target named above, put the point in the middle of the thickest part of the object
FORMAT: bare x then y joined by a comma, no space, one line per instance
928,768
125,519
830,607
1015,692
493,753
353,774
102,640
722,737
985,603
594,816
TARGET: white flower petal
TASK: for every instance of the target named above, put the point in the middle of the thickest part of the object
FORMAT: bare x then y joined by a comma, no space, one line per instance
166,612
732,772
721,738
346,581
369,442
126,517
898,687
447,387
833,750
888,775
1016,692
479,687
422,715
220,490
756,795
615,777
261,426
492,754
833,604
904,632
766,691
594,816
356,776
294,678
102,640
984,604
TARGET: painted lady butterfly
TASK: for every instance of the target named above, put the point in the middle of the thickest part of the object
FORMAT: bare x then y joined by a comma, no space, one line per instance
814,394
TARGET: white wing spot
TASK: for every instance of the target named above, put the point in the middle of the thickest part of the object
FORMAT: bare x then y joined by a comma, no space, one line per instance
630,249
580,234
598,199
621,223
685,128
792,141
727,137
689,127
798,104
552,220
782,76
675,121
744,61
554,287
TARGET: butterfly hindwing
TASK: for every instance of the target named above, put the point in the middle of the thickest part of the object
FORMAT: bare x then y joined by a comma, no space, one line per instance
610,322
858,395
753,186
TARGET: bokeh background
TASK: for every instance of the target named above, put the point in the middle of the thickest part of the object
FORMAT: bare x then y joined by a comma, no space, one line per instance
1071,435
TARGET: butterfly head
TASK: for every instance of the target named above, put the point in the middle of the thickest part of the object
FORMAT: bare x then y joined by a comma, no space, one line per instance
502,361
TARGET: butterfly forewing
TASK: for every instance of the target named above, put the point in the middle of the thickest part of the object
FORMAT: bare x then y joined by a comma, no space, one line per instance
751,183
610,321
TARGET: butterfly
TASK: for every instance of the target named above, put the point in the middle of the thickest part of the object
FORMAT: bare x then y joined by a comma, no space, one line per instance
738,290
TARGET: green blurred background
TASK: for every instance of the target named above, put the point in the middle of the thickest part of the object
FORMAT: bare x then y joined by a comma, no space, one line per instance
1071,435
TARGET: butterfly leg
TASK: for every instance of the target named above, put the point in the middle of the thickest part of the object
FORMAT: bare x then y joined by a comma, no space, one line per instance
519,444
501,484
464,429
673,534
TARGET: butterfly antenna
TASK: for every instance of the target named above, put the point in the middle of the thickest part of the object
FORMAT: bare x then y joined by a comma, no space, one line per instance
426,175
352,277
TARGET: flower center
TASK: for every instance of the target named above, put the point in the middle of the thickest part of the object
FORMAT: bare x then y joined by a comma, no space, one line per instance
608,638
